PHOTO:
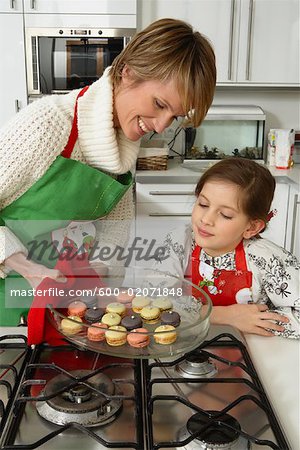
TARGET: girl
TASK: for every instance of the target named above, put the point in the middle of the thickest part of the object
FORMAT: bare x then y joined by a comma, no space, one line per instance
245,275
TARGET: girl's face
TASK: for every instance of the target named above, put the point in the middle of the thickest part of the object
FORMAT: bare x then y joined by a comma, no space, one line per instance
145,107
218,222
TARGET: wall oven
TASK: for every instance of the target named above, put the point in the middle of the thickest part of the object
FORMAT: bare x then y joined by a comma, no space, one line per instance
62,59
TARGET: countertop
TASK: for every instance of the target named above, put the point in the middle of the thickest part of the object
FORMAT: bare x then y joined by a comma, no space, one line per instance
277,361
181,175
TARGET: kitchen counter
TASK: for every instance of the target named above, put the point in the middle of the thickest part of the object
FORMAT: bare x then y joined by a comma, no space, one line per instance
181,175
277,361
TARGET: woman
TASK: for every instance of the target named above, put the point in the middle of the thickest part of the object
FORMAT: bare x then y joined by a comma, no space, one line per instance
55,153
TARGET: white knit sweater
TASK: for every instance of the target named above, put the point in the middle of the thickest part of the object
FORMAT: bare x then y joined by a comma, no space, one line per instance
32,140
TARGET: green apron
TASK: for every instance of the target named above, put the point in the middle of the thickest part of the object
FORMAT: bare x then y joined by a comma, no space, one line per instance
68,191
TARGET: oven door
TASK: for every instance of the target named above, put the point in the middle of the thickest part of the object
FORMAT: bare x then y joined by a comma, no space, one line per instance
60,61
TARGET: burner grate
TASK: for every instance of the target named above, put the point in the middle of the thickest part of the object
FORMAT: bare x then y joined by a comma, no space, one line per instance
234,388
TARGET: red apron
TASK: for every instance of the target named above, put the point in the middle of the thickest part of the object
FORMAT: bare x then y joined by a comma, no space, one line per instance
75,267
224,287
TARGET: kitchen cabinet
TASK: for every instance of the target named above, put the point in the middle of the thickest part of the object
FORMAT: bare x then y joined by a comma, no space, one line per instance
163,207
13,93
80,6
256,41
269,42
277,227
293,223
11,6
160,209
213,18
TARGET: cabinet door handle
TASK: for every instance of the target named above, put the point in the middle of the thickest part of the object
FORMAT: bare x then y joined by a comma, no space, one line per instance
12,4
17,106
232,11
293,234
249,38
171,193
169,215
32,4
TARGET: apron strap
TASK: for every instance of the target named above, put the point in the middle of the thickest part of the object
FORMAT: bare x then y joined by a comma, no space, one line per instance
66,153
240,257
196,252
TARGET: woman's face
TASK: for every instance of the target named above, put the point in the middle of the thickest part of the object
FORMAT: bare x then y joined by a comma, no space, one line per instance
218,222
145,107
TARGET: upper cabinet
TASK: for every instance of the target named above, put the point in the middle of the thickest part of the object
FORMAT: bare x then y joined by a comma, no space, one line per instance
11,6
256,42
269,42
80,6
13,93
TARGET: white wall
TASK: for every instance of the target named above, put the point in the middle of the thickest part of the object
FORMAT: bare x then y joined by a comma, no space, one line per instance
281,105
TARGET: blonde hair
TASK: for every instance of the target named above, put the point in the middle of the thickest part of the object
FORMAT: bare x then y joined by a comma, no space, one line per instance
170,49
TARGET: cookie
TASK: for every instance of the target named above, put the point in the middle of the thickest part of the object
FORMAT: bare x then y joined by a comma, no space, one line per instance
76,308
138,303
165,334
170,318
111,319
116,335
150,314
163,303
93,315
71,325
96,332
131,322
116,308
138,338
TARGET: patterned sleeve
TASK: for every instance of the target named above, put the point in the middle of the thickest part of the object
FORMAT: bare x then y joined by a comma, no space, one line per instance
276,281
174,257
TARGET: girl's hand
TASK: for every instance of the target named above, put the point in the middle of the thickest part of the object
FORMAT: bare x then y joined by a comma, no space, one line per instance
34,273
254,318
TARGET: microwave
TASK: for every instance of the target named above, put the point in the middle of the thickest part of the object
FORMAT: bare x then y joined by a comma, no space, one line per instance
62,59
227,130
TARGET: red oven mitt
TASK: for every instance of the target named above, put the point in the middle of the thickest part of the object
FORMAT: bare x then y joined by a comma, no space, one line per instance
79,276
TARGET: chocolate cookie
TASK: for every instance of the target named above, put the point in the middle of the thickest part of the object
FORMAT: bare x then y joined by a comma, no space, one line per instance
93,315
131,322
170,318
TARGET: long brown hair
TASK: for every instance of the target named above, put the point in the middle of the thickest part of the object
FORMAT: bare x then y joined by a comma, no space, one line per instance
256,184
170,49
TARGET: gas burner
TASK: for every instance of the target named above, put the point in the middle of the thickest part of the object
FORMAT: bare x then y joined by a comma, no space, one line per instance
215,436
80,403
196,365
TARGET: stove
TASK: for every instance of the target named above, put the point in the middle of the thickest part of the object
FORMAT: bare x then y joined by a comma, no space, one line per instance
57,398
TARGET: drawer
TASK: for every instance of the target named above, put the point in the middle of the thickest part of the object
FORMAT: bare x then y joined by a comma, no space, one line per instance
171,193
155,221
164,210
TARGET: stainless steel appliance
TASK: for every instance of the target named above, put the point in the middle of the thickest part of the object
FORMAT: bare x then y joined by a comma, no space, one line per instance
210,398
61,59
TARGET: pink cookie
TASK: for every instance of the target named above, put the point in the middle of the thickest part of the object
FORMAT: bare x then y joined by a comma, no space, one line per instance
138,338
96,332
77,308
124,297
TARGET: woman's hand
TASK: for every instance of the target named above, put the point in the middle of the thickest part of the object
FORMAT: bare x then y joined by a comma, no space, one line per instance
34,273
254,318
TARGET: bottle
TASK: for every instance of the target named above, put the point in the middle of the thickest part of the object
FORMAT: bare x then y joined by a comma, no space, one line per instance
271,148
282,149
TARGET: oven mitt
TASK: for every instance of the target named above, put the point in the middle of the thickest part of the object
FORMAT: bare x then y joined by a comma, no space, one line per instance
79,276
